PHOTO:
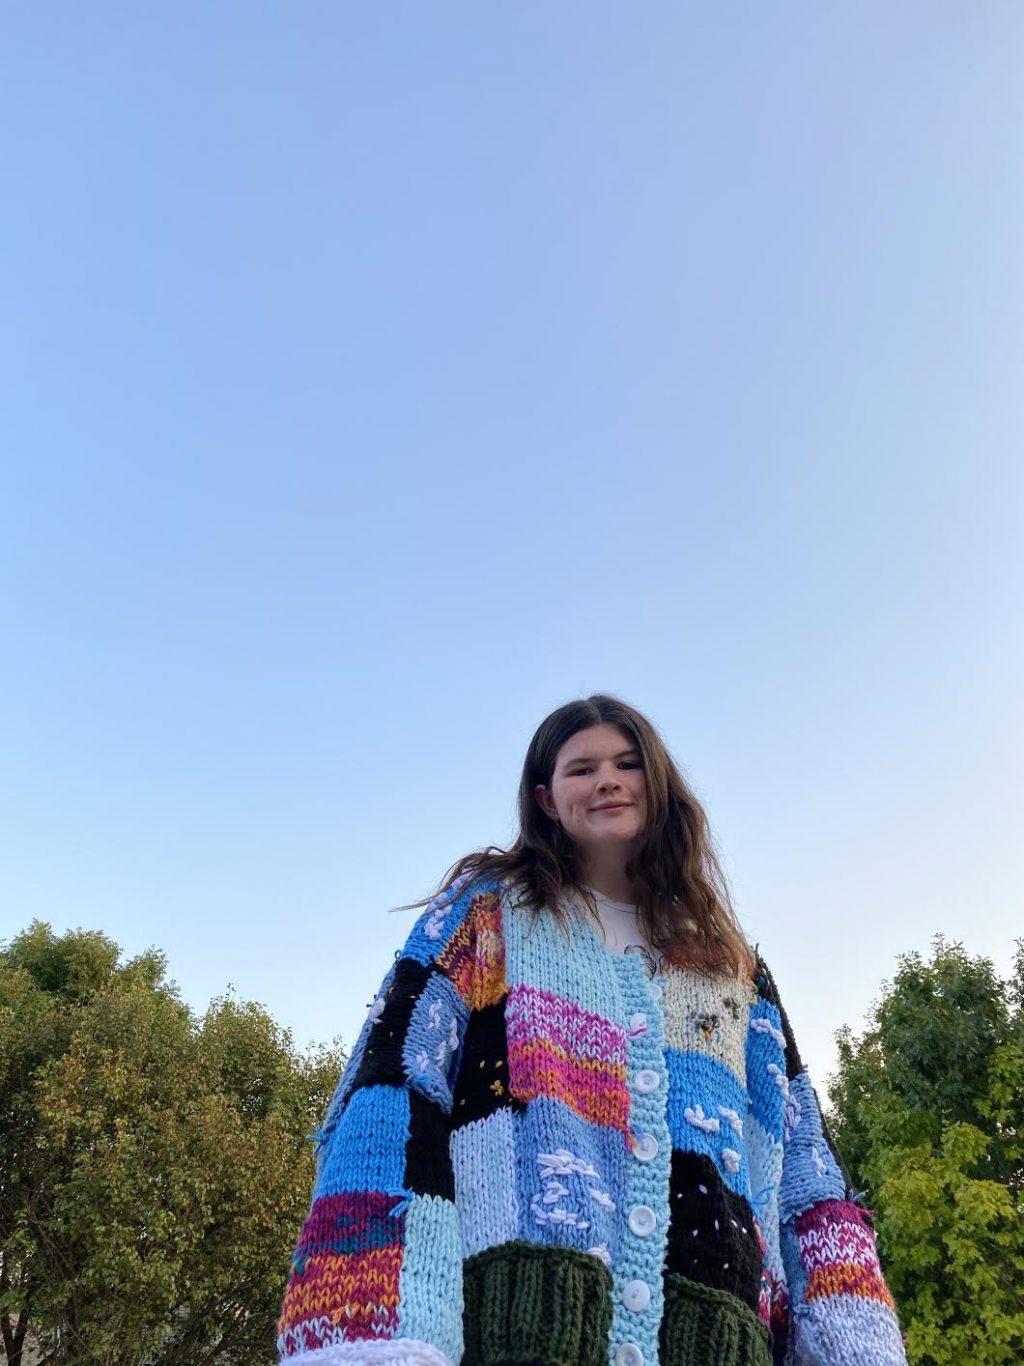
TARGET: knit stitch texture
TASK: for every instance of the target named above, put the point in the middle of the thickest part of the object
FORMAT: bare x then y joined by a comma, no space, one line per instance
537,1153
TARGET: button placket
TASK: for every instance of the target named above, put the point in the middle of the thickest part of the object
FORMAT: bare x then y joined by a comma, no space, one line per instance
639,1295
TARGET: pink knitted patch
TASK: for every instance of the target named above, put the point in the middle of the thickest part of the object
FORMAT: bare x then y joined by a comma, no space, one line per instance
560,1051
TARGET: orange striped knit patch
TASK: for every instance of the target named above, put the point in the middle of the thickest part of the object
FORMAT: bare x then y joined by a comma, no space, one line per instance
847,1278
595,1090
474,957
356,1290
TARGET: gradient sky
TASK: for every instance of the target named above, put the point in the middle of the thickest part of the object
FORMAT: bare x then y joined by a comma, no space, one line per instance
376,378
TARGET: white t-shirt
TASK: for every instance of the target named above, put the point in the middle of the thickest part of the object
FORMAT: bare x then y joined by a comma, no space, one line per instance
621,930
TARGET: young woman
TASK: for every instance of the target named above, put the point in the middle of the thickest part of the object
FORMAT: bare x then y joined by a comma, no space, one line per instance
575,1128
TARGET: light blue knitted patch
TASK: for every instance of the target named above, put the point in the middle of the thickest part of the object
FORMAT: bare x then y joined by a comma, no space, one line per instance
764,1159
570,1177
430,1296
484,1159
809,1170
538,956
641,1257
706,1104
846,1330
366,1150
433,1042
766,1063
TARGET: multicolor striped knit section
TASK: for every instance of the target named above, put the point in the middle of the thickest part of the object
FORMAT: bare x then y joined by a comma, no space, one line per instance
473,960
345,1272
837,1249
558,1050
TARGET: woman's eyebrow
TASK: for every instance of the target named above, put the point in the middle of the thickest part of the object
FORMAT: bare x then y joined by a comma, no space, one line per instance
588,759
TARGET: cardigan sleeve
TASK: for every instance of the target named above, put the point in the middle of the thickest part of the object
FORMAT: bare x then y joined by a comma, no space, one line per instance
376,1275
840,1311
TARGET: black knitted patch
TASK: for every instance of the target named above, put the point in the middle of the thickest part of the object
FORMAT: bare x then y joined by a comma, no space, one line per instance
382,1060
428,1165
482,1084
711,1234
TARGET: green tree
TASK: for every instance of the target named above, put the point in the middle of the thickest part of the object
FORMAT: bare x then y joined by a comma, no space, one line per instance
927,1108
154,1166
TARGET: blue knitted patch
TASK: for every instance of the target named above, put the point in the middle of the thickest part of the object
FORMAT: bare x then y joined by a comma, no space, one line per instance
571,1199
432,1045
700,1090
809,1170
366,1151
766,1061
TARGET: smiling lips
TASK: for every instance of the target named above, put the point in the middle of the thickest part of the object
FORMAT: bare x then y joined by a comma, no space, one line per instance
612,806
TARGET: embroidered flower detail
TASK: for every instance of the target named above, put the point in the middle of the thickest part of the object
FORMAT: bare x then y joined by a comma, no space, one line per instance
730,1159
699,1120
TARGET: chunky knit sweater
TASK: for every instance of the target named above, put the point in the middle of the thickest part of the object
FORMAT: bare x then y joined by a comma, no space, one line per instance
539,1154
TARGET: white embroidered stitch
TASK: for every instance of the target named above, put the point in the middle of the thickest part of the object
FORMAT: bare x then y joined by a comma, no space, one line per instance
562,1162
763,1026
791,1106
735,1123
730,1159
699,1120
819,1162
601,1252
377,1009
441,904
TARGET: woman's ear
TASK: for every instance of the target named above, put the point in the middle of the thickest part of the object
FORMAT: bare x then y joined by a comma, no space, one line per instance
545,802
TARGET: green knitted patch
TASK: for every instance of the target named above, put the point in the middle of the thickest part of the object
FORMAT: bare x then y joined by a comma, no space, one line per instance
702,1326
530,1305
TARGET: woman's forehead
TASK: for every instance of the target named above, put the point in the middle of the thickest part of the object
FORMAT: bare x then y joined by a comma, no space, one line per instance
596,742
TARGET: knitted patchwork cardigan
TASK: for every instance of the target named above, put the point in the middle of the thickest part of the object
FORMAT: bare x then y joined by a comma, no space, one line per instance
539,1154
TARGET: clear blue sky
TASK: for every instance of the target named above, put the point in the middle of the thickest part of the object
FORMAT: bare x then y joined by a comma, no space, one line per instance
375,378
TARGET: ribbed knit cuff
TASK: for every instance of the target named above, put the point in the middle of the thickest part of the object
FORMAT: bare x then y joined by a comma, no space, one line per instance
542,1305
703,1326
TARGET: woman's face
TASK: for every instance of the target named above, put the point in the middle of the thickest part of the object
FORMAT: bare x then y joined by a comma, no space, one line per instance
597,791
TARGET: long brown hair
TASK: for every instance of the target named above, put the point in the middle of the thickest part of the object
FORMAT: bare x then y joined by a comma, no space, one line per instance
683,903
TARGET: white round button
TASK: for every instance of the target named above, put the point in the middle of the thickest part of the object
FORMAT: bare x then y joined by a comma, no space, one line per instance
647,1149
647,1080
637,1021
629,1354
642,1220
655,989
636,1295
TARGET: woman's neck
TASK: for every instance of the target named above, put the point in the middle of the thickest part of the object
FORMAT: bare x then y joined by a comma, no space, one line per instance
611,881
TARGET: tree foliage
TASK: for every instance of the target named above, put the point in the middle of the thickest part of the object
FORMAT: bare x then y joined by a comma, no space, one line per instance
154,1166
927,1108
